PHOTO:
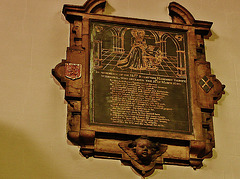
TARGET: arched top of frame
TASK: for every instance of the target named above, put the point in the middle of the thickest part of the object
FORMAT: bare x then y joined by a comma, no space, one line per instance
90,6
180,14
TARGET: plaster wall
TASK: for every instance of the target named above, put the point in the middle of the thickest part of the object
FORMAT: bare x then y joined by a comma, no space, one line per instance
34,36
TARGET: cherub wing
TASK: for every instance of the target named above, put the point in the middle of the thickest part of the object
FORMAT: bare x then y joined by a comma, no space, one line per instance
126,147
162,149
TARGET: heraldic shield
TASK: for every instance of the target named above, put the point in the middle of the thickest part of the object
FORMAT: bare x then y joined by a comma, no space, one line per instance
73,71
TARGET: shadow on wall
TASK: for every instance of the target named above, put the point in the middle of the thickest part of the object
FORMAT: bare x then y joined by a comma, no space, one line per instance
212,36
108,9
20,158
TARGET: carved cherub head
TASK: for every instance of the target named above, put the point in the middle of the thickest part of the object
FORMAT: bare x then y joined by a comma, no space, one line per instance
144,149
143,153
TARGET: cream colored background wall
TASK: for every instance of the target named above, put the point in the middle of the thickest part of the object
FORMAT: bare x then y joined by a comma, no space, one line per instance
34,37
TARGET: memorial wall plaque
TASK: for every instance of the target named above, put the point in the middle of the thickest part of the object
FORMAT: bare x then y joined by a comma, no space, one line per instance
139,77
137,90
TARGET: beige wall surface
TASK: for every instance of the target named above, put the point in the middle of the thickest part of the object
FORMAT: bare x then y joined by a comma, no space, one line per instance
34,36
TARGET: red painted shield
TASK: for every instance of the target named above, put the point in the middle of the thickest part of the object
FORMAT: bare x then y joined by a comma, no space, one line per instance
73,71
